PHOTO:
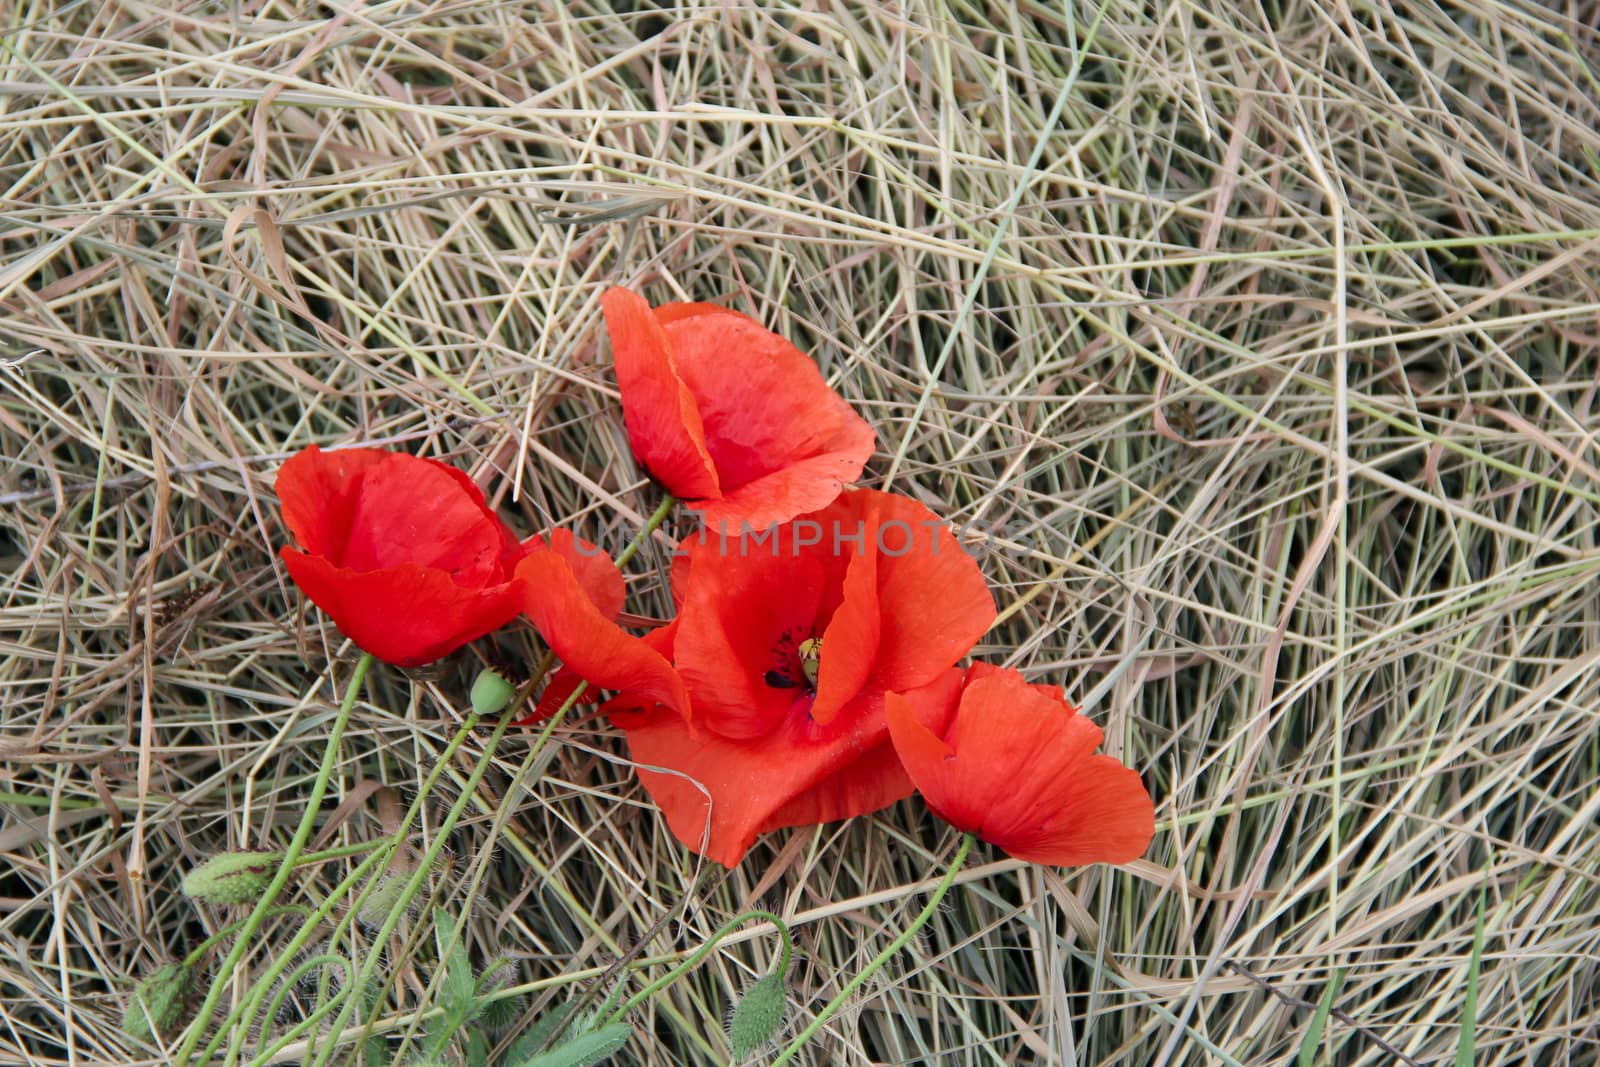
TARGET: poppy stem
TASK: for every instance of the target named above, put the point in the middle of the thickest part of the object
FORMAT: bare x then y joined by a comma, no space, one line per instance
419,876
199,951
700,953
652,524
308,819
832,1007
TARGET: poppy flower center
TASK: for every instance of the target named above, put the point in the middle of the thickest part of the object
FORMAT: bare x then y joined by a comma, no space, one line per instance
797,664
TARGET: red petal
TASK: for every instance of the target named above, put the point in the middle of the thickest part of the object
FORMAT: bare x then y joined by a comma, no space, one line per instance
594,570
876,779
557,691
800,488
406,615
318,491
756,785
1019,770
738,612
663,423
850,643
934,599
763,403
589,642
412,510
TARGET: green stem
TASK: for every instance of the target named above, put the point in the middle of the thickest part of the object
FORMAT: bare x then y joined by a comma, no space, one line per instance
700,953
420,876
205,946
833,1006
651,525
251,1005
302,834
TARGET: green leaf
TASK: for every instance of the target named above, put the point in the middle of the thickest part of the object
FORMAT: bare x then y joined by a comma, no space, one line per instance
534,1038
477,1049
1319,1021
585,1050
1466,1044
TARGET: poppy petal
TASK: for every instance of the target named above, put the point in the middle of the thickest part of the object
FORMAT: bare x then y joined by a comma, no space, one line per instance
750,781
850,643
876,778
412,510
407,615
663,423
318,490
800,488
935,601
738,638
586,640
763,403
594,570
557,691
1018,769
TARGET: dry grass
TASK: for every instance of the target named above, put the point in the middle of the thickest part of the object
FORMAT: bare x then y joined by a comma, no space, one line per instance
1255,354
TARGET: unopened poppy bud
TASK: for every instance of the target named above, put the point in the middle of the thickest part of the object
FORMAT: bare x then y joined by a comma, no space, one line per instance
491,692
498,1015
379,904
232,877
157,1002
757,1016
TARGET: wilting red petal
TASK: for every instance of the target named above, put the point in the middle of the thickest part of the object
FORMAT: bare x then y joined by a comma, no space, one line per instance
412,510
804,486
557,691
876,779
728,415
1017,768
402,552
406,615
933,592
801,773
664,425
586,640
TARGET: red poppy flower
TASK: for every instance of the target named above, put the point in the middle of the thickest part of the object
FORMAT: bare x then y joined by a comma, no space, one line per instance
1016,766
787,645
406,557
728,415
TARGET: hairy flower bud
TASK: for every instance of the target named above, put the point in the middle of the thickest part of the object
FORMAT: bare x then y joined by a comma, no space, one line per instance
157,1002
232,877
758,1015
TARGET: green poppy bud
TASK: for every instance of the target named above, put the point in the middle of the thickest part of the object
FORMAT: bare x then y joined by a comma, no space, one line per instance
498,1015
157,1002
758,1015
491,692
232,877
385,897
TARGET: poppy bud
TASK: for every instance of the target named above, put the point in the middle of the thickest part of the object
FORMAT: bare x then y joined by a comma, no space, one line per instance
157,1002
385,897
491,692
232,877
757,1016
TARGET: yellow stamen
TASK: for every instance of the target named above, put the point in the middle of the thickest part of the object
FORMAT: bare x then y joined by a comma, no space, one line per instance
811,659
